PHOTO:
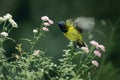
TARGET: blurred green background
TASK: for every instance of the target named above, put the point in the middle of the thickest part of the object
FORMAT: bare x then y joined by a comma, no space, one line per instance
27,13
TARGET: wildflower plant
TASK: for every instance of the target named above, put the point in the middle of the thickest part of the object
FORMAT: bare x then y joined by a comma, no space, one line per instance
28,65
76,63
80,64
7,24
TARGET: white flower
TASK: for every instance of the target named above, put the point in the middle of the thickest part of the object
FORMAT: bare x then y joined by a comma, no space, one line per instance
5,34
94,62
50,21
94,43
46,24
13,23
7,17
97,53
44,18
36,52
35,31
45,29
2,19
85,49
102,47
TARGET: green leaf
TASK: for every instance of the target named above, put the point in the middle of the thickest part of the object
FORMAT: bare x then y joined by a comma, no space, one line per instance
2,50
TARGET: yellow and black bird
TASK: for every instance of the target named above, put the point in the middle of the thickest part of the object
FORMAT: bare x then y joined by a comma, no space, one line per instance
72,29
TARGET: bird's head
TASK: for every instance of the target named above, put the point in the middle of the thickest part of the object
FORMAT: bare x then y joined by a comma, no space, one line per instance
62,26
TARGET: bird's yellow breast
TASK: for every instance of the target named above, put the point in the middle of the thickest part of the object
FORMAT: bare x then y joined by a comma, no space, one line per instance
73,35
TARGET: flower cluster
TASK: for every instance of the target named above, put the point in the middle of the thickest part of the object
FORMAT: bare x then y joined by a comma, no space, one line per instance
40,32
9,18
46,22
97,45
96,51
4,19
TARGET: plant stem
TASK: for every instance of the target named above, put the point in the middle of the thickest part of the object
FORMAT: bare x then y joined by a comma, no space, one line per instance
4,28
10,29
112,33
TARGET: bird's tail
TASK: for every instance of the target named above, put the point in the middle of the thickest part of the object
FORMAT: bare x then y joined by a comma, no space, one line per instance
81,44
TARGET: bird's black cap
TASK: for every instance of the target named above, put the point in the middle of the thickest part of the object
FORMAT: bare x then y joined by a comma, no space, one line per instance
61,23
62,26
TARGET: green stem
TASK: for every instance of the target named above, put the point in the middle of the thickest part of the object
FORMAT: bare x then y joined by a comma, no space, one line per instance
86,59
79,70
89,78
4,28
1,44
41,25
91,59
88,68
89,54
37,36
8,25
48,75
80,61
10,29
92,73
33,43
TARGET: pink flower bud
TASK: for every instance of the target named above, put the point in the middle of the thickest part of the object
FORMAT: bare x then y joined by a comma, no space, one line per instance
94,43
50,21
102,47
45,18
85,49
45,29
46,24
94,62
97,53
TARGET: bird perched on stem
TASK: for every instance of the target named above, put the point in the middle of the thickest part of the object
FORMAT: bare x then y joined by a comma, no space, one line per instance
73,28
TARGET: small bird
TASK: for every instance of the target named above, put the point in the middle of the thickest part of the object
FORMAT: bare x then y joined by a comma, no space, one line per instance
73,28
